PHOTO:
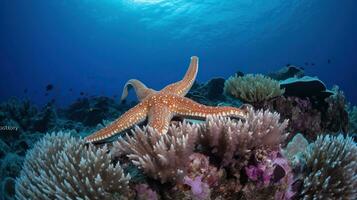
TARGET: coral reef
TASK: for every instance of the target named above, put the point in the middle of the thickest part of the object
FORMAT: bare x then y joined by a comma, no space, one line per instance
8,188
265,156
162,156
145,193
309,117
199,190
226,147
229,139
270,178
335,117
92,111
303,117
352,116
331,169
252,88
63,167
10,165
26,117
211,93
295,147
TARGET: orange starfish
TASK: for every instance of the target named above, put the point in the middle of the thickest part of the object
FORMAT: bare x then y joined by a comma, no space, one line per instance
161,106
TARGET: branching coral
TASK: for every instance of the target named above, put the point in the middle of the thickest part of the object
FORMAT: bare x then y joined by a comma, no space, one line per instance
252,88
166,157
331,169
63,167
229,138
161,156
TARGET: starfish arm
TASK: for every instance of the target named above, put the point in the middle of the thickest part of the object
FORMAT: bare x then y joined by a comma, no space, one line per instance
187,108
140,89
159,118
133,116
182,87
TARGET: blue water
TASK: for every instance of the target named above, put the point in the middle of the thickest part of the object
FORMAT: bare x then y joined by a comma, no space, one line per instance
94,46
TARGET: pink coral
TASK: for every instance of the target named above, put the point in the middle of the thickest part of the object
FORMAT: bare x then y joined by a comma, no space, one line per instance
200,190
273,171
200,166
145,193
260,173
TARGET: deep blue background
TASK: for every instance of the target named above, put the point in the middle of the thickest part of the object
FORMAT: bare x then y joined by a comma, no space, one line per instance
95,46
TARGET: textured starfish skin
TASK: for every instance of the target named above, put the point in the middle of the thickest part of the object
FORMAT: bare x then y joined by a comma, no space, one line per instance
161,106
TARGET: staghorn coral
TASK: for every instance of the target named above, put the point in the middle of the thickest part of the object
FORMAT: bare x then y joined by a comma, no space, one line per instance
63,167
161,156
229,139
166,157
252,88
331,169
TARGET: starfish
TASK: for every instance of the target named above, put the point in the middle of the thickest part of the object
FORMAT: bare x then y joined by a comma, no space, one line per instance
161,106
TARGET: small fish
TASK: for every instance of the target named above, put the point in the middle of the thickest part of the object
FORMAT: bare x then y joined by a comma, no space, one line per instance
288,65
313,64
328,61
25,90
81,93
49,87
70,89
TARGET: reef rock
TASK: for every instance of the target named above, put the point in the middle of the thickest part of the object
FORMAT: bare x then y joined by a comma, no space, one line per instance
287,72
305,87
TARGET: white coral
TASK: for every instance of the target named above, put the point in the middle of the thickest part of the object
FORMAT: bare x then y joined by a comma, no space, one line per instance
331,171
63,167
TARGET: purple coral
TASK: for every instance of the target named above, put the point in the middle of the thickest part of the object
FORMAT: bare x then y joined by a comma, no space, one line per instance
200,166
260,173
200,190
143,192
274,170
